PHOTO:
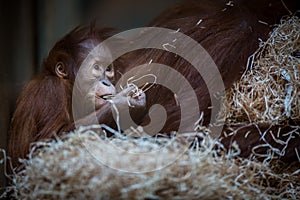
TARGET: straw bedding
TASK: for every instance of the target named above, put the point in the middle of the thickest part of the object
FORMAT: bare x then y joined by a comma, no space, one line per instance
66,169
87,165
269,90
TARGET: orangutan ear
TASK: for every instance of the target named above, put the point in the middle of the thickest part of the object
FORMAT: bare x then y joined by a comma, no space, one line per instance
60,70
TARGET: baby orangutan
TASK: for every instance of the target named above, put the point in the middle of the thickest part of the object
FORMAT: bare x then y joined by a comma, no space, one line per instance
77,79
72,85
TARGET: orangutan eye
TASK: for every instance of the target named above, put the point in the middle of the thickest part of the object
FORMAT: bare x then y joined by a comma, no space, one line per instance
109,68
96,66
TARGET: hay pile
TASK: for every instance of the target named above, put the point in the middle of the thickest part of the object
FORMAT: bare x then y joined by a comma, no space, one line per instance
86,165
68,169
269,91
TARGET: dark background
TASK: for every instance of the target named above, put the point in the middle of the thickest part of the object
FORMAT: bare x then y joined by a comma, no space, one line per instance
29,28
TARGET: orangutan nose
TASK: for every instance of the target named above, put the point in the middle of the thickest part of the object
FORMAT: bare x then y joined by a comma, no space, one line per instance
106,82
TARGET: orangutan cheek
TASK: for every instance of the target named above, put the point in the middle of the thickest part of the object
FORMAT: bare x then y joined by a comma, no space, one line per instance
99,102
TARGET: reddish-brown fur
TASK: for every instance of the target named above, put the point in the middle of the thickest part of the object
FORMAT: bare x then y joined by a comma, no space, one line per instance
44,107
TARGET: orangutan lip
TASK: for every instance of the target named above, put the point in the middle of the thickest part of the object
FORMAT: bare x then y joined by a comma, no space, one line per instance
105,96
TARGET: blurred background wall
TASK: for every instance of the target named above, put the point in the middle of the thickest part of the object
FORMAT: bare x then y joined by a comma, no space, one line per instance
29,28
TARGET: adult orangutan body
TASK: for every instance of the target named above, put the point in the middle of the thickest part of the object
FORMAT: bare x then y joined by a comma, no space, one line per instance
229,33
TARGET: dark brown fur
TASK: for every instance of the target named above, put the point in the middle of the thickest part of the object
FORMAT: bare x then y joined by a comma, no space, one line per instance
262,139
44,107
230,37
